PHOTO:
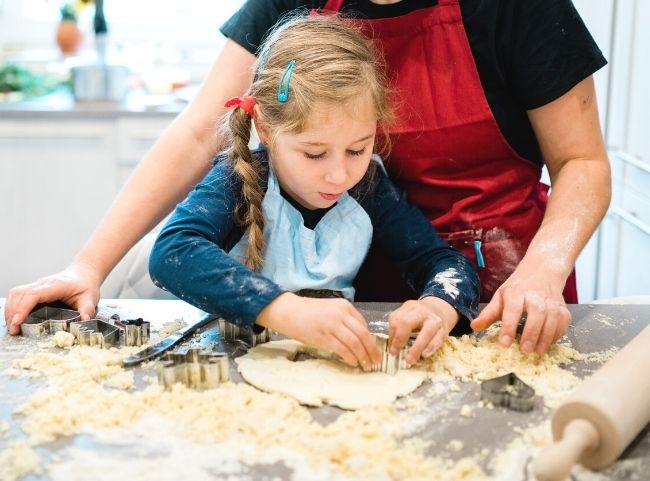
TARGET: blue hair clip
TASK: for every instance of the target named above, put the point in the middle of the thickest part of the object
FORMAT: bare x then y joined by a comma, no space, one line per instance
285,81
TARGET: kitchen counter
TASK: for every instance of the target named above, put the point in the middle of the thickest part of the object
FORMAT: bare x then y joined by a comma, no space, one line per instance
594,328
62,104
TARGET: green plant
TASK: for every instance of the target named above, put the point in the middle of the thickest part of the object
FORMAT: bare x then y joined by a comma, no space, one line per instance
68,12
18,78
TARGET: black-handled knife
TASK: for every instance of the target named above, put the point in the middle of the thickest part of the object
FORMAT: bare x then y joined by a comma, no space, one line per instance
167,343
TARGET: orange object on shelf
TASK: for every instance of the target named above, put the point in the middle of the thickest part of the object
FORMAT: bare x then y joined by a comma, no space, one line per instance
68,36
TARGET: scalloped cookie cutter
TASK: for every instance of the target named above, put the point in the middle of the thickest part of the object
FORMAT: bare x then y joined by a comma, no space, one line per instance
196,368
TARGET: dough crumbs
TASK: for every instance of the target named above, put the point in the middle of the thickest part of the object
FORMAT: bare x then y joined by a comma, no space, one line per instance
170,327
466,411
17,460
600,357
455,444
475,359
225,430
78,398
63,339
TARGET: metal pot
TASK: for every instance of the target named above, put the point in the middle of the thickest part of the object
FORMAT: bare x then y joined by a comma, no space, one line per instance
100,82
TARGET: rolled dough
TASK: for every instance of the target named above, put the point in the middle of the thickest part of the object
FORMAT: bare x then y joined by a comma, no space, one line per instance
272,367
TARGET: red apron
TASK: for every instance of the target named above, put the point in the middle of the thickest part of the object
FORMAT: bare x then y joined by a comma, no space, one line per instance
448,152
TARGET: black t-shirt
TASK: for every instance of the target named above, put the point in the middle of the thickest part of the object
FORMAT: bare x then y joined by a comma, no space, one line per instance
527,52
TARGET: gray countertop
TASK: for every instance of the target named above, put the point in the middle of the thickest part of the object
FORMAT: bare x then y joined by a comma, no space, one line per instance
492,428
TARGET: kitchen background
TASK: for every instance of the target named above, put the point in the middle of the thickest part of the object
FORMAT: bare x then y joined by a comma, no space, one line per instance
62,162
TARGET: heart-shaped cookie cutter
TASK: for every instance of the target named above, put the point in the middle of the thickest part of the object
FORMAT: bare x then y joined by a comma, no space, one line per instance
508,391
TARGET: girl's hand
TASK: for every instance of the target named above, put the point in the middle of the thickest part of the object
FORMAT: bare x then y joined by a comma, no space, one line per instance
433,317
332,324
77,286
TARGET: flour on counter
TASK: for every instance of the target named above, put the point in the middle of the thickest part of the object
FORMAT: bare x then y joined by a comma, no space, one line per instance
236,426
17,460
359,445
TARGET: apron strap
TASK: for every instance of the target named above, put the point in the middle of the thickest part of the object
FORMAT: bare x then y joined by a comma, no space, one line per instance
336,5
333,5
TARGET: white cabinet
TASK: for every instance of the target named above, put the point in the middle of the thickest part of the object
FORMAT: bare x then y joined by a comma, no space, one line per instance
624,254
135,136
58,177
616,260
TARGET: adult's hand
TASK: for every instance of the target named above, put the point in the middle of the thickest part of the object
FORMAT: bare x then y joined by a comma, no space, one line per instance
331,324
569,136
77,286
527,291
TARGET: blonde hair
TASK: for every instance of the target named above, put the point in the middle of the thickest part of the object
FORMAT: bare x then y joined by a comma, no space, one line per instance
334,65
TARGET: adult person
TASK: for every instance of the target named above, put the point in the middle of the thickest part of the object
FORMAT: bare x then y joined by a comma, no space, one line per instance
488,91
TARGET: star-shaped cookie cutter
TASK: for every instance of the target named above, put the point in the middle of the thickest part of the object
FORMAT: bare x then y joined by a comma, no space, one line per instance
508,391
196,368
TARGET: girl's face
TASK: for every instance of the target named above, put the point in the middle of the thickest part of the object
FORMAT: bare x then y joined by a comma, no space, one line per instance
316,166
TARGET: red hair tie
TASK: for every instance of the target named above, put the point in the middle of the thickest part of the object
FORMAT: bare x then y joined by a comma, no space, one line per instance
246,103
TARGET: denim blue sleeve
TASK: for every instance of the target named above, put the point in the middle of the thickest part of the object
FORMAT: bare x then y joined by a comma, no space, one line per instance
430,266
188,257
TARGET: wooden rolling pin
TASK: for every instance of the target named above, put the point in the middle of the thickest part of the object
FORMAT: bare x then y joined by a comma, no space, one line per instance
602,416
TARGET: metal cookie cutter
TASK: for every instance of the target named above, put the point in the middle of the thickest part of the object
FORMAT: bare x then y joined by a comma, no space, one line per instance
107,330
95,333
508,391
134,332
196,368
389,364
232,332
48,320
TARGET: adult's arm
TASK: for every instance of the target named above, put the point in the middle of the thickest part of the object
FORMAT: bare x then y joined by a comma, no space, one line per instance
569,135
176,162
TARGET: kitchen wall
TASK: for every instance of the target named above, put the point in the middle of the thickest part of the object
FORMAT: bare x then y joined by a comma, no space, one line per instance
616,260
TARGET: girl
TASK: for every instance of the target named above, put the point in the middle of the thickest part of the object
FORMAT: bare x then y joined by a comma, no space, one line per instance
301,212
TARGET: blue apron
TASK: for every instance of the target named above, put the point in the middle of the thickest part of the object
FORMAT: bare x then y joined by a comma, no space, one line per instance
327,257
